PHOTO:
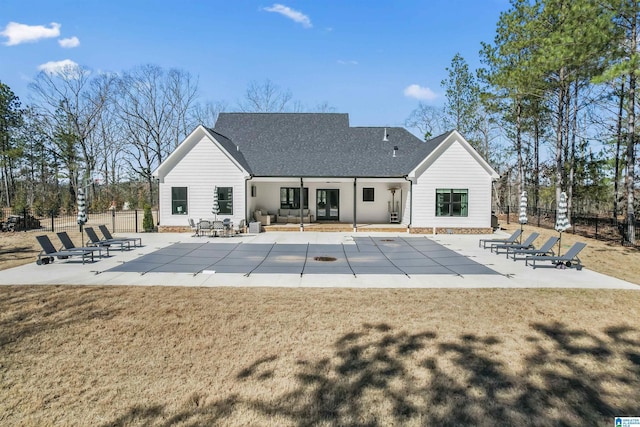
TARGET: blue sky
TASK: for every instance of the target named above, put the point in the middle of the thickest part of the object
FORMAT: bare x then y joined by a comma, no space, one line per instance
374,60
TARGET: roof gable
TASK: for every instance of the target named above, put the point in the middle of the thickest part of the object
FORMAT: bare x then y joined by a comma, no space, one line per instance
223,143
440,144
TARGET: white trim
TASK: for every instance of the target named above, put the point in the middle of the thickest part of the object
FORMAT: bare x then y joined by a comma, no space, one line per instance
189,142
443,146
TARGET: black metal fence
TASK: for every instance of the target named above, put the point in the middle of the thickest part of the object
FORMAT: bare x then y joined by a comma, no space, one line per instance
589,225
117,221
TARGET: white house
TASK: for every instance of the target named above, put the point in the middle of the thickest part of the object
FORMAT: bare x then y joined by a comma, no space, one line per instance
314,167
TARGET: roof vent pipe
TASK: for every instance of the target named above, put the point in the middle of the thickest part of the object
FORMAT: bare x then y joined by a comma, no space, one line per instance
385,137
395,148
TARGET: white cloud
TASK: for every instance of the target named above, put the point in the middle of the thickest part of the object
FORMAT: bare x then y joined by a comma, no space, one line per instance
350,62
70,42
298,17
22,33
419,92
58,67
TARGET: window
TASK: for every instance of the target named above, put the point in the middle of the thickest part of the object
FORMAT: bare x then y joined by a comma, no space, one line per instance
367,194
290,198
225,200
452,202
179,200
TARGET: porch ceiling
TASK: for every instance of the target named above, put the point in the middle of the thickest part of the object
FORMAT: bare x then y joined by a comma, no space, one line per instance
327,179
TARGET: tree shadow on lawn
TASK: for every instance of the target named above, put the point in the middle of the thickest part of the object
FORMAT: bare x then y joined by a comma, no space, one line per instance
377,376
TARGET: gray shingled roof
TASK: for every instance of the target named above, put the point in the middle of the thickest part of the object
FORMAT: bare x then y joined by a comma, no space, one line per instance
318,145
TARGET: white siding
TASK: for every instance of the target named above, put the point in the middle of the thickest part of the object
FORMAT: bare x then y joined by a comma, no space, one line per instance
201,169
454,168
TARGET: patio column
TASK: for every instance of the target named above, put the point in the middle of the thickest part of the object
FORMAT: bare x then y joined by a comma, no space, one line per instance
301,205
355,197
410,205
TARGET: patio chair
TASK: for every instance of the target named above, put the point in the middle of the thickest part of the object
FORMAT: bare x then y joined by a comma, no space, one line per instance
570,258
218,228
107,236
240,228
68,245
204,227
491,242
545,249
194,227
527,244
228,227
94,240
49,253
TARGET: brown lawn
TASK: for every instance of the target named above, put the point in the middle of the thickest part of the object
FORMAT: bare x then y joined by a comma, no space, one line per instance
159,356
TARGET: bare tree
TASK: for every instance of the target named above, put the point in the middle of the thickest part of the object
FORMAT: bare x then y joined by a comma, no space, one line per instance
71,101
265,97
427,119
154,106
206,114
324,107
182,91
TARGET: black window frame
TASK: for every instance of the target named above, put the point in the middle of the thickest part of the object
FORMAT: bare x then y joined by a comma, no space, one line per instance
368,194
290,198
452,205
225,200
177,200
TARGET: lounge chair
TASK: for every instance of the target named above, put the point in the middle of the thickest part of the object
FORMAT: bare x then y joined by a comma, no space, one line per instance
569,258
107,236
545,249
49,252
506,247
94,240
68,245
491,242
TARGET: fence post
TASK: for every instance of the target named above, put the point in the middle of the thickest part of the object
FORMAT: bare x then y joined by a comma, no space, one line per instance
597,227
52,230
24,218
508,214
538,217
113,220
136,220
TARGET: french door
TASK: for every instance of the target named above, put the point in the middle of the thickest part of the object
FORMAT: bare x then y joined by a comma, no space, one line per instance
328,204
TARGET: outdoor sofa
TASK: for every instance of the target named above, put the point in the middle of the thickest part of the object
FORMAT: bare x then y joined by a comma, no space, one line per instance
292,216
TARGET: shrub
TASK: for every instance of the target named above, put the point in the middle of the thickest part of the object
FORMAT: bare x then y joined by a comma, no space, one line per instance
147,220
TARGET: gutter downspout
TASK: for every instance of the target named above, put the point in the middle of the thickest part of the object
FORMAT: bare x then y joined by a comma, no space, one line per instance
246,199
301,205
355,222
410,203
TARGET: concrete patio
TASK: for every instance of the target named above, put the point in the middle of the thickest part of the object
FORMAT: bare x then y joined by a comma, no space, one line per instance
497,271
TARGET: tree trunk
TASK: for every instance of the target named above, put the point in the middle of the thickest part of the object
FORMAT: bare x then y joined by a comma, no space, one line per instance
519,146
559,139
631,139
572,158
536,171
616,180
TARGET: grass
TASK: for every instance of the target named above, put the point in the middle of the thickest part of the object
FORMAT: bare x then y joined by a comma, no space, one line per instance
158,356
